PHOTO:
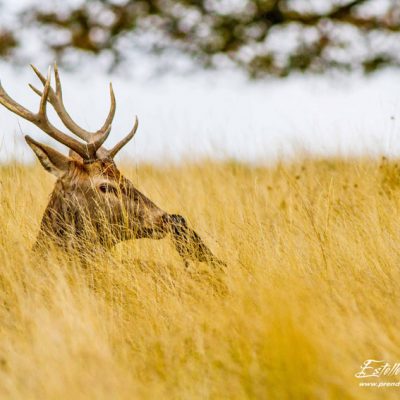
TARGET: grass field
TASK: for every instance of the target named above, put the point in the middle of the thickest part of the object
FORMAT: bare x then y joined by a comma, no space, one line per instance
311,290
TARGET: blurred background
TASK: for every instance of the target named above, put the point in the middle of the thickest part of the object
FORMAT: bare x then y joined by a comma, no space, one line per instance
254,80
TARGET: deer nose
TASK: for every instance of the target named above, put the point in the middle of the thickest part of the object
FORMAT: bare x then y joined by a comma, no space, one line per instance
177,219
173,221
164,220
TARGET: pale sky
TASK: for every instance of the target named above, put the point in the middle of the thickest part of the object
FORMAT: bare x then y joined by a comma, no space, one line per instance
220,114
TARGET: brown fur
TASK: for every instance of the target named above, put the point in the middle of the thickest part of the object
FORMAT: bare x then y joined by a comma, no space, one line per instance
80,212
93,206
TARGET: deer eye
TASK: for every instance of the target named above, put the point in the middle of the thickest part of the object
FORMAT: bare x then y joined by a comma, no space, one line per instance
106,188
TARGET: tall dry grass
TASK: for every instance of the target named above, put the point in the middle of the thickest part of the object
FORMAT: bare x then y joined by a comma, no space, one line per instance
310,292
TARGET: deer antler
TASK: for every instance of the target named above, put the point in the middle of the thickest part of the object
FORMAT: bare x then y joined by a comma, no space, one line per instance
56,100
113,152
85,150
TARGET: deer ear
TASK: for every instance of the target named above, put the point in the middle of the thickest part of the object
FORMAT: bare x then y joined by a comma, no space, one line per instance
52,160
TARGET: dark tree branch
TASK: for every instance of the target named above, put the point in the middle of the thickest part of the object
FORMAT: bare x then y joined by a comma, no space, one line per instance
202,30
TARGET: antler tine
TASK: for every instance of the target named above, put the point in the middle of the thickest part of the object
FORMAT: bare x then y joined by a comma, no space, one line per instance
37,91
113,152
56,100
58,82
41,121
45,95
39,75
111,113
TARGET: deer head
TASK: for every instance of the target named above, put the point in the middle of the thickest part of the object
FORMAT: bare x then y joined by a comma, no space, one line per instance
92,202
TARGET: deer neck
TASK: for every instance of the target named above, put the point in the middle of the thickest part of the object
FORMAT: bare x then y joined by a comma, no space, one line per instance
67,224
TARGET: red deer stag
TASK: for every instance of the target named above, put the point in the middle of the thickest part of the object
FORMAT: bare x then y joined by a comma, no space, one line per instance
92,202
